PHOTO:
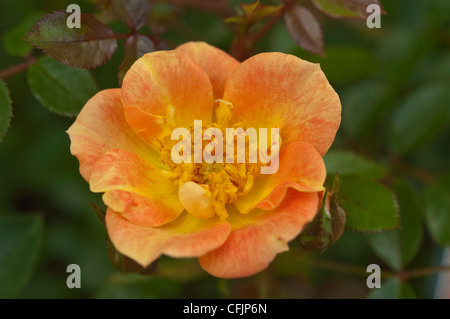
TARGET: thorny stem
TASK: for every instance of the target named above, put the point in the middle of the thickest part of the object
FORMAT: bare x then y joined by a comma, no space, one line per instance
416,172
17,68
359,271
421,272
286,7
346,269
219,6
244,43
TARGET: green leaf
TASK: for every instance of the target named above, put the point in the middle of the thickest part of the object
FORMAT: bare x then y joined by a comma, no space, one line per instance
61,89
134,13
345,8
393,289
135,47
419,118
437,210
5,109
347,163
87,47
134,286
398,247
14,39
20,238
362,106
369,205
346,63
304,29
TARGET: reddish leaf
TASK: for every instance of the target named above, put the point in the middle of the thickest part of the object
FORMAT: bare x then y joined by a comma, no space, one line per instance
134,13
304,29
345,8
87,47
135,47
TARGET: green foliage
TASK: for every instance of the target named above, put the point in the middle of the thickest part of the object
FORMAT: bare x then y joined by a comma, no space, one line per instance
363,105
5,109
345,163
369,205
304,29
13,39
393,289
61,89
398,247
345,8
87,47
345,64
420,117
133,286
20,238
437,210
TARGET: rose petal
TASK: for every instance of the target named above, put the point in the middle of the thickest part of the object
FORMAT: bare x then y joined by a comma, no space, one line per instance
258,237
187,236
135,188
101,126
300,167
278,90
164,89
218,64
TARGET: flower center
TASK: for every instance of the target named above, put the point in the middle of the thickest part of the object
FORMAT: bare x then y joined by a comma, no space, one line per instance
206,187
217,184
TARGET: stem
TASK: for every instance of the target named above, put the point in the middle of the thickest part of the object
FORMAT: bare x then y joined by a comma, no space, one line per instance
17,68
219,6
346,269
286,7
244,43
361,272
420,272
416,172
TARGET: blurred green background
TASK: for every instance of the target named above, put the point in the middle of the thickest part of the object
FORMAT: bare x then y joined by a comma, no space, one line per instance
393,83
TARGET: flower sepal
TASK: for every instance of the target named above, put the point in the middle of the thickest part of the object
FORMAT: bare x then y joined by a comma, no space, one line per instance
328,225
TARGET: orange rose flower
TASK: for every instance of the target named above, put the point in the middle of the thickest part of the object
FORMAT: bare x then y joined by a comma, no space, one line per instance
232,218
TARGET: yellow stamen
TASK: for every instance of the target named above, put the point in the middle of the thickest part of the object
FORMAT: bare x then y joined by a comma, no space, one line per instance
206,188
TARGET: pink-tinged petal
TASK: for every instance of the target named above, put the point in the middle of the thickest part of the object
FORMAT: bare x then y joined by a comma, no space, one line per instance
300,167
186,236
101,126
279,90
164,90
135,188
258,237
218,64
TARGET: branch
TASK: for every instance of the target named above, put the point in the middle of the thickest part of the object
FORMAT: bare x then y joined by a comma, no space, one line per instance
219,6
346,269
417,172
421,272
244,43
17,68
